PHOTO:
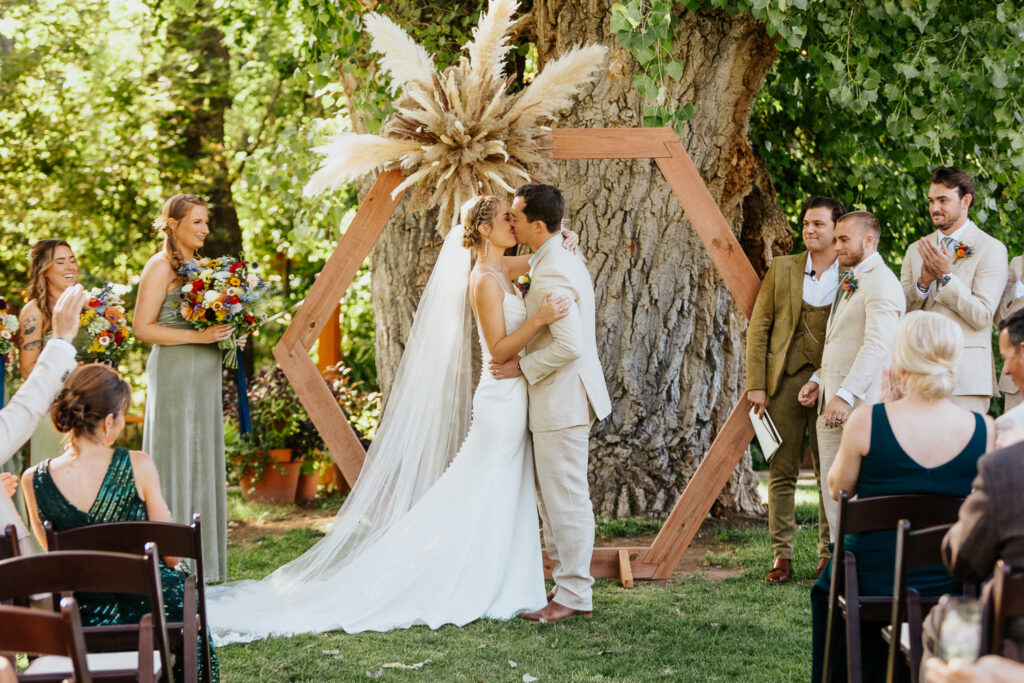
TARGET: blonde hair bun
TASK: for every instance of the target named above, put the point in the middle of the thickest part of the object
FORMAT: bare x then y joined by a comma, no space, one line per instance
927,350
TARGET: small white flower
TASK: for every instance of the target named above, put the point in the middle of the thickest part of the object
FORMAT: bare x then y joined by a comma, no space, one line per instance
11,323
206,274
236,308
4,334
159,224
103,340
186,288
233,291
211,295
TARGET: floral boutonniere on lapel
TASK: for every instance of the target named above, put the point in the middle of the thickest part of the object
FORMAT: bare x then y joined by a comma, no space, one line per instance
849,284
962,251
523,284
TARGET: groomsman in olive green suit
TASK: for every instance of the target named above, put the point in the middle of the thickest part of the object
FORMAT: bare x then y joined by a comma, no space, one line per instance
959,271
784,346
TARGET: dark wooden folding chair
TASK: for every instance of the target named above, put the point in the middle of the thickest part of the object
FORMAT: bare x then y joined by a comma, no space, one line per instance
176,540
914,550
57,636
9,543
81,571
1005,595
845,602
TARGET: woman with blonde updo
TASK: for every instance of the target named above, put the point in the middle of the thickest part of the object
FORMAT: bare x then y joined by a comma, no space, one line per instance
184,428
94,483
916,442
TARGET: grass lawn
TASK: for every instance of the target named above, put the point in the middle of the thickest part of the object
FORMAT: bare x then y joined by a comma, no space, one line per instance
689,628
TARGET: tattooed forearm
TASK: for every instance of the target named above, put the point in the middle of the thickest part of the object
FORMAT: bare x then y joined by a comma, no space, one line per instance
33,345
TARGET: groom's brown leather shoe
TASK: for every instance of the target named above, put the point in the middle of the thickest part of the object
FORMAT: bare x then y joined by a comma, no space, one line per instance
555,612
781,572
551,595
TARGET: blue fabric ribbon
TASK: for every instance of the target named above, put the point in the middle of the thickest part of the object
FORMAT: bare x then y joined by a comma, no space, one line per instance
3,380
244,419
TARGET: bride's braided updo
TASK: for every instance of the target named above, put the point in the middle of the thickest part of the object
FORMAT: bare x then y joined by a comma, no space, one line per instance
477,211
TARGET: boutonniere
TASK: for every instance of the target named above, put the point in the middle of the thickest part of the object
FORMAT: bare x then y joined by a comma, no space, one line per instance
849,284
523,284
962,251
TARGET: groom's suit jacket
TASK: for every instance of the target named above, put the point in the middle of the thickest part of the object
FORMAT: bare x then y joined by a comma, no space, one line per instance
970,300
19,418
561,363
860,334
1009,305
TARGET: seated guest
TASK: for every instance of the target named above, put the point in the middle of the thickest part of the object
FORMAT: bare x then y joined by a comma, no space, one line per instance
93,483
1010,425
19,418
988,669
916,442
990,528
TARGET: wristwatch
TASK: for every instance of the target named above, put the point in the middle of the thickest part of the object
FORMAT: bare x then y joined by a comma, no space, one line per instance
944,280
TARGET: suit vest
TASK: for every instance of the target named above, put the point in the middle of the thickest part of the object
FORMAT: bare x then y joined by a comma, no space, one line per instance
808,338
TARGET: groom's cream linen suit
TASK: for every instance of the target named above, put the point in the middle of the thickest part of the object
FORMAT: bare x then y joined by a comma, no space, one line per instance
19,418
567,391
858,346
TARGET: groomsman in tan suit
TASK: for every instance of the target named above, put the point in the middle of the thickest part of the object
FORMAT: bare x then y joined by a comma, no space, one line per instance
31,403
567,393
959,271
858,341
1012,301
784,344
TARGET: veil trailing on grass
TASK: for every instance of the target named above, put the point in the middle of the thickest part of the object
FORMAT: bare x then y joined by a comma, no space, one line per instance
424,422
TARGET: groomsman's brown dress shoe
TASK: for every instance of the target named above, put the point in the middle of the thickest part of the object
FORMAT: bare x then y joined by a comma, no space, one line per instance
555,612
821,567
782,572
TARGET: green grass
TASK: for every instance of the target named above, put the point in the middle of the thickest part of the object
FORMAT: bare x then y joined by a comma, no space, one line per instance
684,629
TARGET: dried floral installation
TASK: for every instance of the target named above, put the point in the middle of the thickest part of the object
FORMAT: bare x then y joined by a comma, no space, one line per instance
459,133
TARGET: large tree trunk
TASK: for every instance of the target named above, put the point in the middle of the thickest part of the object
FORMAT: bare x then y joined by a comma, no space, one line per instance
670,337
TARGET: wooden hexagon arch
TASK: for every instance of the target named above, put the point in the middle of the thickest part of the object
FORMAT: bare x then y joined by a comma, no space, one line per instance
660,144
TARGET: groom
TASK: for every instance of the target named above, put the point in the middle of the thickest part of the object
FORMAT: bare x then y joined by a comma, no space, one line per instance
567,393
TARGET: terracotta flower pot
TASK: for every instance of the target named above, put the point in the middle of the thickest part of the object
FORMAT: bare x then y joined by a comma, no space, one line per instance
306,490
274,487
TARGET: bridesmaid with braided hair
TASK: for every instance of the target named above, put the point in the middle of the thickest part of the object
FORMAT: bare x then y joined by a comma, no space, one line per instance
184,426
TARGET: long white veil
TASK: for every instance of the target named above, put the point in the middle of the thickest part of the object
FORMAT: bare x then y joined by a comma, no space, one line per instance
424,422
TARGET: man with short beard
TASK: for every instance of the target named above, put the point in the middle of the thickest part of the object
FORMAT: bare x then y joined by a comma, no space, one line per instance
784,344
858,340
959,271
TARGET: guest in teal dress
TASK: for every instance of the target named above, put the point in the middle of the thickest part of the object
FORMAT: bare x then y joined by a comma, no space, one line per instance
916,442
184,426
52,269
93,483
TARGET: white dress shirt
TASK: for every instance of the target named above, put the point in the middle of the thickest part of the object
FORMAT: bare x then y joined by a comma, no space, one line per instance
820,288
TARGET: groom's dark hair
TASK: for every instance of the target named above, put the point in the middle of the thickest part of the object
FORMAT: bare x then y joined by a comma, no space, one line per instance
543,203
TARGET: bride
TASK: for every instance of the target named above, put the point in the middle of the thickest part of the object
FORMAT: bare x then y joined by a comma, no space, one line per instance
433,532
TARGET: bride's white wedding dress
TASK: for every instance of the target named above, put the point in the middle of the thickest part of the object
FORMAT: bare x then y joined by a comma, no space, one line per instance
467,548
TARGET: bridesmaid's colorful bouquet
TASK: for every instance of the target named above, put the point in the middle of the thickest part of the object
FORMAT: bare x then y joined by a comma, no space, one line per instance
105,320
8,327
222,291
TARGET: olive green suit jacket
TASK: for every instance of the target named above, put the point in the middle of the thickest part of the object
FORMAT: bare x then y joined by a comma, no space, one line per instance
773,322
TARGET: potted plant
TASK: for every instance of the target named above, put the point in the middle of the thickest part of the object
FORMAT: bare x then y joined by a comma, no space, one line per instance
317,464
265,460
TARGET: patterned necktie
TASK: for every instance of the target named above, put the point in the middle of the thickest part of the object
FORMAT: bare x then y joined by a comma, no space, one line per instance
949,243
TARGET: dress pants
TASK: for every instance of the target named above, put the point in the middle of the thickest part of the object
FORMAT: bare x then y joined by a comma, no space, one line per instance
828,449
560,459
791,420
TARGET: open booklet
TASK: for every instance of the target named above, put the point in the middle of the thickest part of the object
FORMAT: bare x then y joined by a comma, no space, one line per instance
767,436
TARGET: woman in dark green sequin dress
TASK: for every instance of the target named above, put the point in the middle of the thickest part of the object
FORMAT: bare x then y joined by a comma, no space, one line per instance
93,483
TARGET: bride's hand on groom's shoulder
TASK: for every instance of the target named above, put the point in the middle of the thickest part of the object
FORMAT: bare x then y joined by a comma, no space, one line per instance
570,241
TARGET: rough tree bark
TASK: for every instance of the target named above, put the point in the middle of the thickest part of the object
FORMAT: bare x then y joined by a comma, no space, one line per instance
670,337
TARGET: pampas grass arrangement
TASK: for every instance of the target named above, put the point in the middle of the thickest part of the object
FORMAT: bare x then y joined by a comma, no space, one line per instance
457,133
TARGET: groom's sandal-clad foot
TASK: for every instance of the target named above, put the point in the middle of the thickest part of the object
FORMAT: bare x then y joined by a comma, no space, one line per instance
782,572
555,612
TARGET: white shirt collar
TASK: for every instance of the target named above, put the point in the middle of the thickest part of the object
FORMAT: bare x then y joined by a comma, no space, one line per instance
834,269
957,234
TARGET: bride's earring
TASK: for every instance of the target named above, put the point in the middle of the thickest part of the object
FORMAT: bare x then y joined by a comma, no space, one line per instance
487,245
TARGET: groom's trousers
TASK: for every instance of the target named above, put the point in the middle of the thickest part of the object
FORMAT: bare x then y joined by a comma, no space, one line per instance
566,512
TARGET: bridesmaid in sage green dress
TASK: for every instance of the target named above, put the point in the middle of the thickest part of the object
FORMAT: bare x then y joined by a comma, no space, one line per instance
52,269
184,427
93,483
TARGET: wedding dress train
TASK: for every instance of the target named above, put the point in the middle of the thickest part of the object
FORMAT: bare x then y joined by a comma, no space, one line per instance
467,548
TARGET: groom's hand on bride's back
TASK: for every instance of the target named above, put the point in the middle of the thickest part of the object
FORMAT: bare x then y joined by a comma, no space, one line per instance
506,370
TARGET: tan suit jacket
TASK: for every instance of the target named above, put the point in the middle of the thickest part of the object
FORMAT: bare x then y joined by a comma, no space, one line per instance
970,300
860,333
27,408
773,322
1009,305
561,363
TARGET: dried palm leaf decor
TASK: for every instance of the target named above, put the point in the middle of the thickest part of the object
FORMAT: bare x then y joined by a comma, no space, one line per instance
458,133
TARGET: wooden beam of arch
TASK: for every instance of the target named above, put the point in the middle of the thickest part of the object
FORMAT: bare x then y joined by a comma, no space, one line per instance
660,144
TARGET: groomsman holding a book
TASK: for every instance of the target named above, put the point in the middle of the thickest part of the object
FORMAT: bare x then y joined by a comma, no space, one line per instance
784,347
959,271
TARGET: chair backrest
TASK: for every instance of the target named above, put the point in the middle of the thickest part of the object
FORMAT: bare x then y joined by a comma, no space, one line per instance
38,632
1007,594
9,543
92,571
